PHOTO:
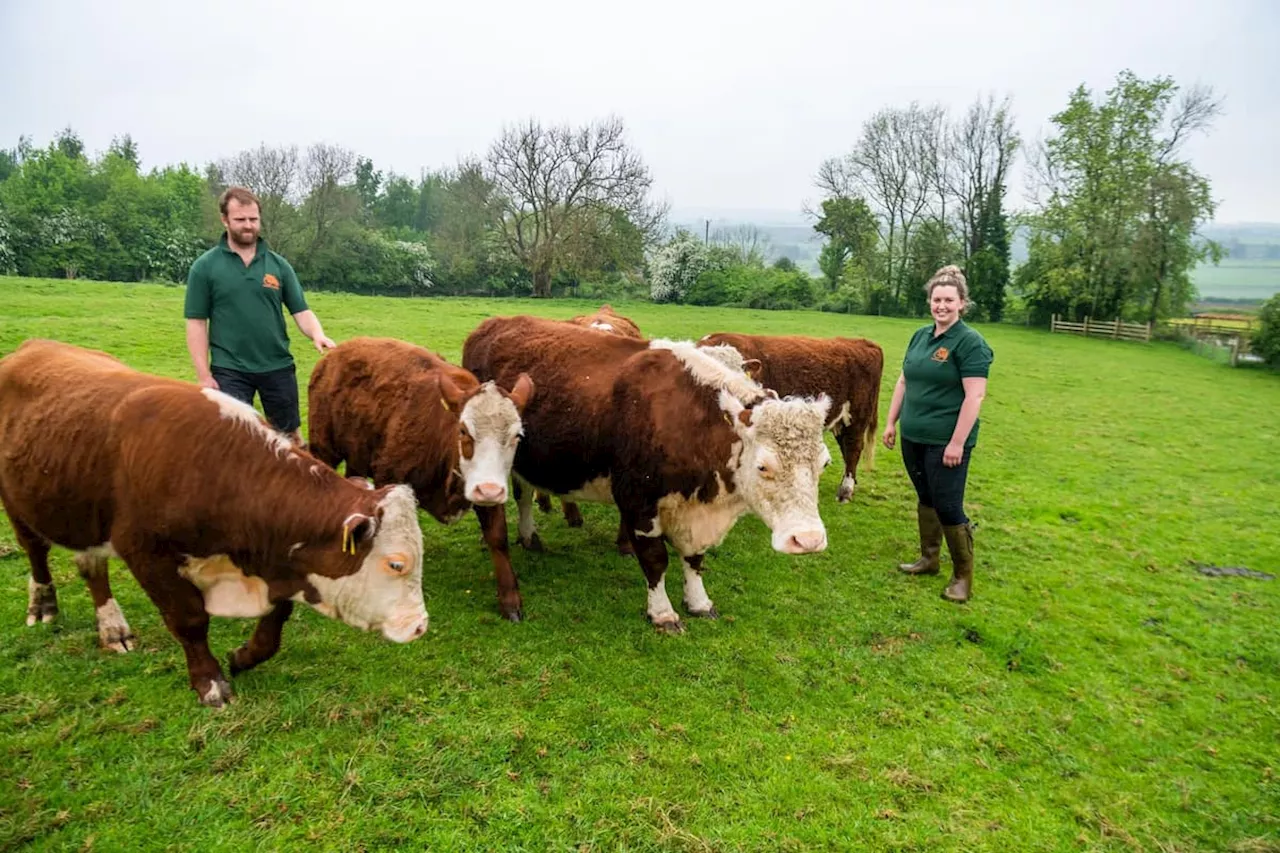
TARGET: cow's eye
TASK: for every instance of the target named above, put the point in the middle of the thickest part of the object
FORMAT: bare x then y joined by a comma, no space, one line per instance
396,564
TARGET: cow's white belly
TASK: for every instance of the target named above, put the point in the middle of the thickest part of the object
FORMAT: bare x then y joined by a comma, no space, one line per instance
227,591
693,526
599,490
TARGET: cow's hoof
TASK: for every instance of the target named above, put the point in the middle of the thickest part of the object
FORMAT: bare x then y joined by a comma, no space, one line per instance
625,549
117,639
543,502
702,614
573,520
42,603
513,615
843,498
668,625
534,543
240,660
113,631
217,694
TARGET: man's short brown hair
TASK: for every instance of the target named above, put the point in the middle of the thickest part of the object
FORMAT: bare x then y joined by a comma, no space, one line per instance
240,194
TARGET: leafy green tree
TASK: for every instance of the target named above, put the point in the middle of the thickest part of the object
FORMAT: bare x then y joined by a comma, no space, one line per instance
1266,342
853,233
1116,228
988,269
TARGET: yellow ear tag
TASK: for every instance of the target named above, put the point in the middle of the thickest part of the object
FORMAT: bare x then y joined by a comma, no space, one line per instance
443,404
346,537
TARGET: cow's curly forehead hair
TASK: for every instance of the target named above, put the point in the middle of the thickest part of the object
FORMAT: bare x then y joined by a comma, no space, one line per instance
793,424
489,412
243,195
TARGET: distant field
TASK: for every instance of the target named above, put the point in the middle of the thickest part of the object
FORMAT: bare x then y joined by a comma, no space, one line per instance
1097,694
1252,279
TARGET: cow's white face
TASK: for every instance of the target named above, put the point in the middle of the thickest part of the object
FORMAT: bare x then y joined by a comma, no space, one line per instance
490,430
781,460
386,593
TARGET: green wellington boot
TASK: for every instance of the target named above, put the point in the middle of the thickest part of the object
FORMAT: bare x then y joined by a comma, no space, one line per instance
930,543
960,544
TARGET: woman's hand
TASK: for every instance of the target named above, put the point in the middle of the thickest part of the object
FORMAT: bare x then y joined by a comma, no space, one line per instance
890,435
952,454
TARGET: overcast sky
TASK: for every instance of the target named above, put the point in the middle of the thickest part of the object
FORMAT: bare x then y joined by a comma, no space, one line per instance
733,105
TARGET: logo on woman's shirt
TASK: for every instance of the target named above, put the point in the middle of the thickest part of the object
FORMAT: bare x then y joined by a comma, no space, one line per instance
941,354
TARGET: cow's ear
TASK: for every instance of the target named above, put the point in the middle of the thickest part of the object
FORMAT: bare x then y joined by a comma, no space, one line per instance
450,394
753,368
522,392
358,529
738,415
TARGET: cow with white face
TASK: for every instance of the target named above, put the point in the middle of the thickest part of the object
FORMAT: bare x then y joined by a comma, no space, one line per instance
397,413
213,512
681,440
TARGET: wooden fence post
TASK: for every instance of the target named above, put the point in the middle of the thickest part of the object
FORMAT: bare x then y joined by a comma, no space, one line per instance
1115,333
1086,325
1053,323
1147,339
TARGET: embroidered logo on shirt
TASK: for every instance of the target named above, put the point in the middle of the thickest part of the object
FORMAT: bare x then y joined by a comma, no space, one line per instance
940,354
271,281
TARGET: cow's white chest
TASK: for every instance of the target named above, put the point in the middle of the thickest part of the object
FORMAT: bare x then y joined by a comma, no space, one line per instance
599,490
693,526
227,591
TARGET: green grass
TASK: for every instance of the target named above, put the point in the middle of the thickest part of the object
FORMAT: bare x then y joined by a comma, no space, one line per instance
1256,279
1096,694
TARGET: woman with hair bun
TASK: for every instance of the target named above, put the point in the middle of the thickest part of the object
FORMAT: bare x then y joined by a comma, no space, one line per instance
938,396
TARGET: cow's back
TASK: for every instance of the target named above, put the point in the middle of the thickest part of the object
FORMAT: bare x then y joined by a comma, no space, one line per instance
56,454
573,369
376,404
842,368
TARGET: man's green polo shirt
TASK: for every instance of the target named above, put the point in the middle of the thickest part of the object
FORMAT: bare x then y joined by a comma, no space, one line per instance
243,305
933,368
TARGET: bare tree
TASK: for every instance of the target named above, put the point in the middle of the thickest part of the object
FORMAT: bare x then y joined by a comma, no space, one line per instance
981,148
896,166
748,243
327,174
272,174
547,176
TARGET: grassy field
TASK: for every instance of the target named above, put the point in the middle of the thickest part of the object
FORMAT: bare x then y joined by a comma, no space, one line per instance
1098,693
1238,279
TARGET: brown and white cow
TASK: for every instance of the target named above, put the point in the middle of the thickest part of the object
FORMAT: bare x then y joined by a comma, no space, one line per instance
213,512
848,370
397,413
682,443
606,320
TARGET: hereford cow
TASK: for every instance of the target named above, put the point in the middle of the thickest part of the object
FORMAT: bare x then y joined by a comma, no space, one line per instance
213,512
847,370
613,422
605,319
396,413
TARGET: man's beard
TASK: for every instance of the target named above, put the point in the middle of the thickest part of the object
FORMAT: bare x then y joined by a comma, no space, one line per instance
244,238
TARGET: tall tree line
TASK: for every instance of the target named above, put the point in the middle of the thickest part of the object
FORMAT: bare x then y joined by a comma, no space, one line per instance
544,208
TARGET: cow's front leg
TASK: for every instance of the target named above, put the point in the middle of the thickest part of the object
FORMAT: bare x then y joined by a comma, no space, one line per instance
182,606
113,629
493,526
524,502
651,551
696,602
265,641
572,514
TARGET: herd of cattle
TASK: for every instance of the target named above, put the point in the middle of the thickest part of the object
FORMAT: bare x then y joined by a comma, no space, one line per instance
216,514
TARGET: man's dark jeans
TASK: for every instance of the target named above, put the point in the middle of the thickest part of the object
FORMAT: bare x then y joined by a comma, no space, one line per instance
937,485
278,390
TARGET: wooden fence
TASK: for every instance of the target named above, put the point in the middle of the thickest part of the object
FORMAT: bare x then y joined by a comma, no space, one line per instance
1113,329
